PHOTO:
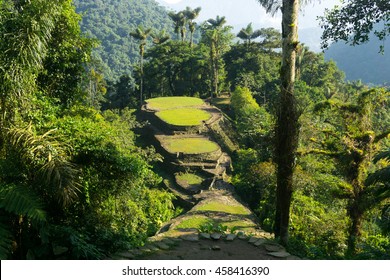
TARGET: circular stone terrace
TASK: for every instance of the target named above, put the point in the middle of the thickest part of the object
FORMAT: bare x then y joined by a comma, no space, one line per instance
182,111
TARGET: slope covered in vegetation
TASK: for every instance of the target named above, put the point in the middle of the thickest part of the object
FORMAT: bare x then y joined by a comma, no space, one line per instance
111,21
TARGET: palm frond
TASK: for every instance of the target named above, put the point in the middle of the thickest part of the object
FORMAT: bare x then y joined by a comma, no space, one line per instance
271,6
45,155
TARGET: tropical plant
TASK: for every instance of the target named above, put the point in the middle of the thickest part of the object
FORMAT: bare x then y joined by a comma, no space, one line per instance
191,15
160,38
287,127
179,19
217,37
354,20
248,34
348,137
141,34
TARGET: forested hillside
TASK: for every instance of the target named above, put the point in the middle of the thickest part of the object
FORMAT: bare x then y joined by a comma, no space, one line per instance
111,22
363,62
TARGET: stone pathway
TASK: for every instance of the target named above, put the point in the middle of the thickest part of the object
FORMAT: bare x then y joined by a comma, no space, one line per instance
205,246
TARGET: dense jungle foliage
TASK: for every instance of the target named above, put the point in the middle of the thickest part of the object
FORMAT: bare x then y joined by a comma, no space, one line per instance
75,184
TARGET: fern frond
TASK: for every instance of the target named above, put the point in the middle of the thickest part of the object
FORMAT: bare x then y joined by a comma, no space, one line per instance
380,176
385,155
20,200
5,241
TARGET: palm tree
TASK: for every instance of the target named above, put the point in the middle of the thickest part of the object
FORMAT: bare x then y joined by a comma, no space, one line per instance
191,15
26,31
247,34
46,177
213,31
179,20
160,38
142,35
287,126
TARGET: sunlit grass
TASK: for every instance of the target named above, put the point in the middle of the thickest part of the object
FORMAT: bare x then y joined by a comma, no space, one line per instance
216,206
184,116
189,178
189,145
193,222
164,103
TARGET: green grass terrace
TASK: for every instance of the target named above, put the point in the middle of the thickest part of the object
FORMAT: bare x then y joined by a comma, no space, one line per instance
165,103
189,145
184,116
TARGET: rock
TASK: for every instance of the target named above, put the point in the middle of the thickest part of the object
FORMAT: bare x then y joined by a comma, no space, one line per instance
161,245
190,237
260,242
173,240
274,248
291,257
216,236
169,242
127,255
279,254
136,252
216,248
253,240
151,248
242,236
204,235
231,237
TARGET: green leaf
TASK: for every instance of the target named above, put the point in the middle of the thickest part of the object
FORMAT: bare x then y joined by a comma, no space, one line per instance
5,241
20,200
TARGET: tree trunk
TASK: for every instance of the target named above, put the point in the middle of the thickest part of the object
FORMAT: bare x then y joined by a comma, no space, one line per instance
141,84
354,231
287,127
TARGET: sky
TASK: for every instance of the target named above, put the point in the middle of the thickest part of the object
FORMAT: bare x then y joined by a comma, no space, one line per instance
239,13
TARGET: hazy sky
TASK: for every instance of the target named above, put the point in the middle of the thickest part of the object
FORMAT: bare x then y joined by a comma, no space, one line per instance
241,12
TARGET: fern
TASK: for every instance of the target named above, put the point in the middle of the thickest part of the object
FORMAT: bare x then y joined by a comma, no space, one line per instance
20,200
381,175
5,241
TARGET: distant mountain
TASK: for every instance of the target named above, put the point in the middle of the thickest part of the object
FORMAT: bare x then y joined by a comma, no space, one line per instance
363,62
110,21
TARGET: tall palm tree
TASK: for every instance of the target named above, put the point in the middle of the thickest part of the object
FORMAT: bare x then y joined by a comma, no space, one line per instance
191,15
287,127
142,35
247,34
179,20
213,31
160,38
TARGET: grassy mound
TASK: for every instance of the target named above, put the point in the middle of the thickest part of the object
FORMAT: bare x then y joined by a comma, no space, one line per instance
165,103
189,179
184,116
193,222
189,146
216,206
